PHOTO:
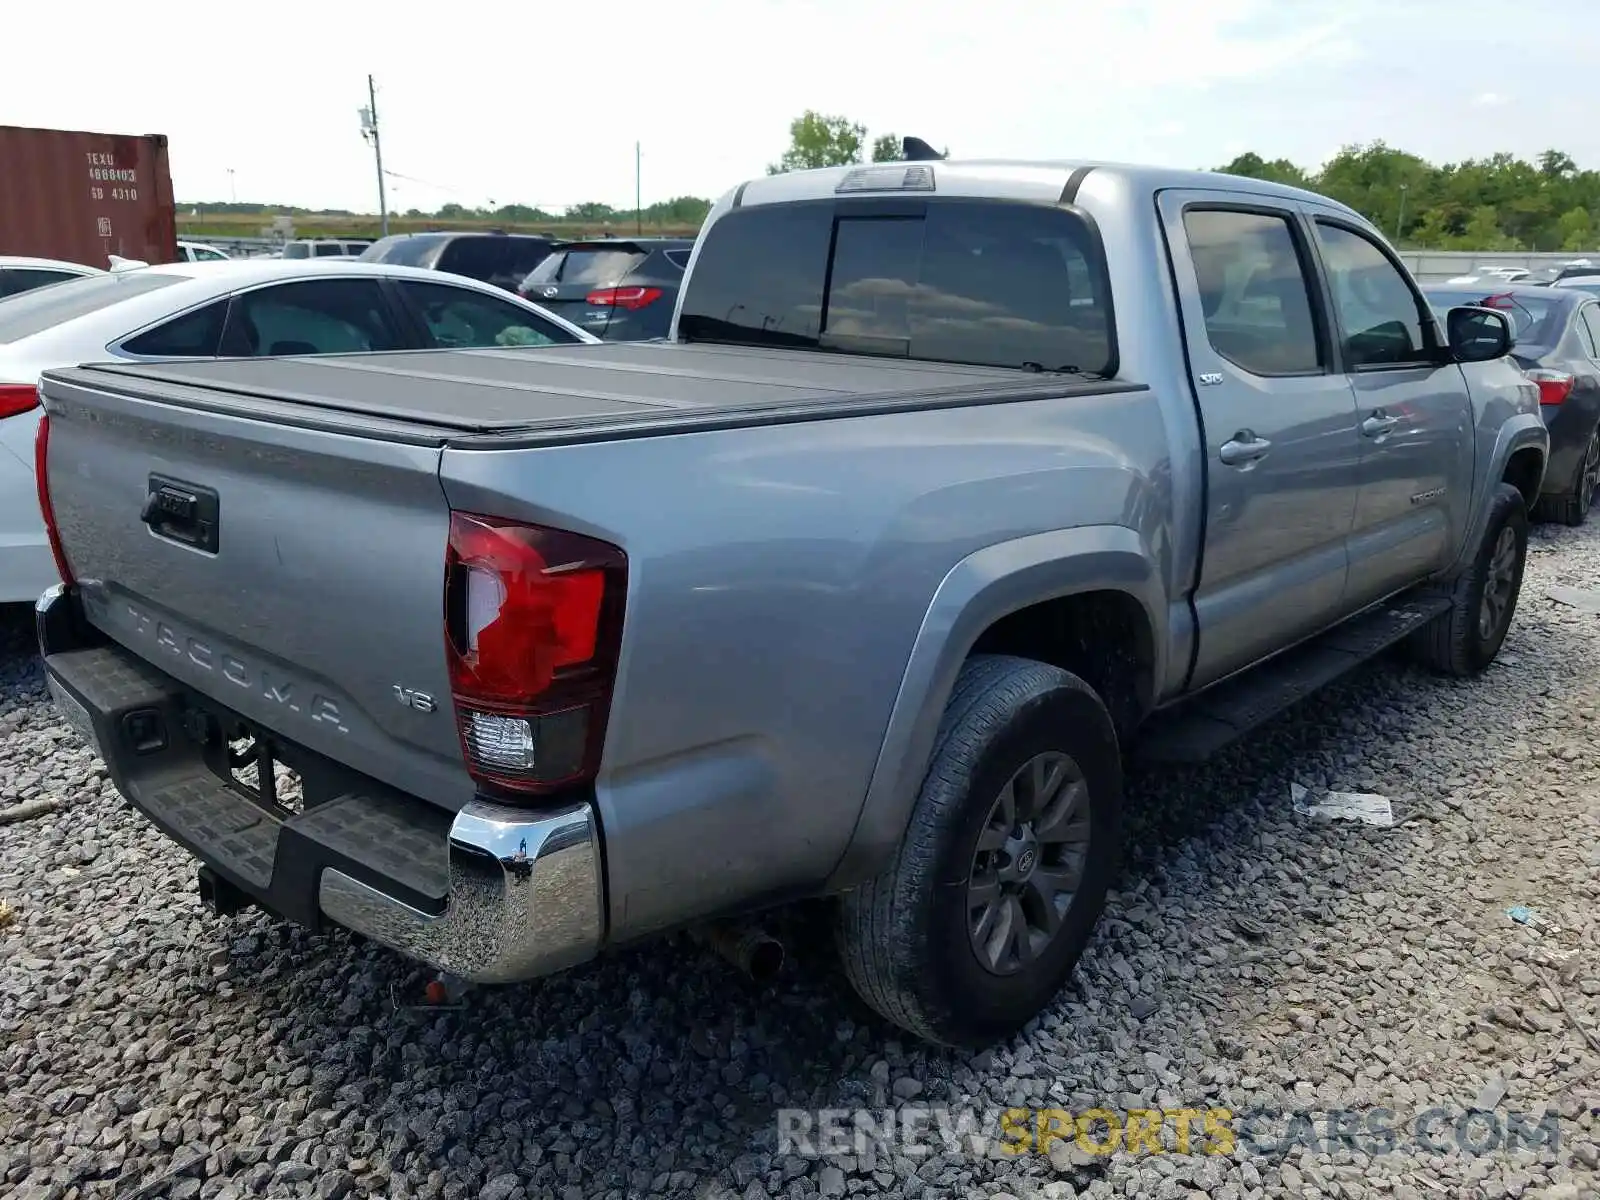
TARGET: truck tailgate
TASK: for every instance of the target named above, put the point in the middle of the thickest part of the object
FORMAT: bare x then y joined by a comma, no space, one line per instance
293,575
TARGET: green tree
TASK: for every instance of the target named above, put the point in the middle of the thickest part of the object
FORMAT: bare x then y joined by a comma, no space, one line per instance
1279,170
886,148
819,140
1577,229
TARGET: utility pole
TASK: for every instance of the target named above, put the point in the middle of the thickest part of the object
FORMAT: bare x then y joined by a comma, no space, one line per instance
1400,225
638,203
369,131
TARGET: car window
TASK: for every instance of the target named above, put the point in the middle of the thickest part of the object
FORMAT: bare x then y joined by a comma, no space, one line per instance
496,259
206,254
404,250
1591,319
457,317
588,266
25,279
323,316
297,250
981,283
679,257
329,250
1377,308
1254,291
37,310
1536,320
195,334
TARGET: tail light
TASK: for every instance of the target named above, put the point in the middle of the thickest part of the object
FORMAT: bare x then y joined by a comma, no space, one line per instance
533,621
1554,386
624,297
41,479
17,398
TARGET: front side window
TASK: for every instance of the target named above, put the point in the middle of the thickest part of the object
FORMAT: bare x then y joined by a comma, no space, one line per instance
990,284
1254,291
458,318
324,316
1381,318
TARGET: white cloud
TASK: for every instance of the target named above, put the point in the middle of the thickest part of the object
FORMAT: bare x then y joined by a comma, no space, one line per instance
1489,100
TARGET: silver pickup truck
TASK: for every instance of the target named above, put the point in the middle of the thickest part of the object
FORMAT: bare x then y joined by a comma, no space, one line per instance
953,485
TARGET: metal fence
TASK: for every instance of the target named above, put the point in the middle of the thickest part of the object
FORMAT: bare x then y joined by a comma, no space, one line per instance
1433,265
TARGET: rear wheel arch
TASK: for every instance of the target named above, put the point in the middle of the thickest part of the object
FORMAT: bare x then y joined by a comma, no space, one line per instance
1042,597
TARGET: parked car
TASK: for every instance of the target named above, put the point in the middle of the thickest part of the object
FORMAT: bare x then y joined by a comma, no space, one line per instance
1557,342
1585,281
619,289
500,259
240,308
19,274
200,252
859,585
322,248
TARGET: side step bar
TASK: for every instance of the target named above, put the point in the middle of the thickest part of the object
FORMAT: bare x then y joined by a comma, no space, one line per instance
1194,730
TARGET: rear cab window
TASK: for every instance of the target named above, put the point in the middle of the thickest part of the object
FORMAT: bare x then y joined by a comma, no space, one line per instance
986,283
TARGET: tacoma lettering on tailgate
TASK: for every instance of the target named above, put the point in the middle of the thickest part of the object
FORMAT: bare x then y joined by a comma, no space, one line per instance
279,688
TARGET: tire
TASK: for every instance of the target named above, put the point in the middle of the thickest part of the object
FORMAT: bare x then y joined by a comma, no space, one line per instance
904,936
1463,640
1572,507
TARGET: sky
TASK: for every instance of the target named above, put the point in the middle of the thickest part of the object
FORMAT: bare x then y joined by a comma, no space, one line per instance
519,102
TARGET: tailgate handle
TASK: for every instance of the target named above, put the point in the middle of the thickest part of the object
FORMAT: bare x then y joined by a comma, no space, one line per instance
181,512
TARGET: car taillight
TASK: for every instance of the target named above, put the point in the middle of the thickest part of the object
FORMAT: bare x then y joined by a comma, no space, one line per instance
624,297
1554,386
41,479
17,398
533,621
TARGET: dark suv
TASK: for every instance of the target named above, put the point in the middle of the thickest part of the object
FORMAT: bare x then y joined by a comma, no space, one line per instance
619,289
503,259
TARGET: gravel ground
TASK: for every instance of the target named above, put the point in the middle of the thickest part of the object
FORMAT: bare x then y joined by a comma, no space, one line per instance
1255,959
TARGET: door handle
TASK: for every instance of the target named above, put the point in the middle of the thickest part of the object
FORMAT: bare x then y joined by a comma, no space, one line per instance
1378,424
1242,448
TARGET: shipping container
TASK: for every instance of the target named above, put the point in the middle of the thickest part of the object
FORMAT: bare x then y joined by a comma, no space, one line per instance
82,197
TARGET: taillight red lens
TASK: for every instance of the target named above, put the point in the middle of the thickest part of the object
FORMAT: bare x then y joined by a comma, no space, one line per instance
1554,386
624,297
533,620
17,398
41,479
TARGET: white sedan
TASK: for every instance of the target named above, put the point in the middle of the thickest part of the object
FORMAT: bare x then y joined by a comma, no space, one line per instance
240,308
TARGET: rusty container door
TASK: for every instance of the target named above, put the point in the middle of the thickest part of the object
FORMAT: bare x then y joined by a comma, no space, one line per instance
85,196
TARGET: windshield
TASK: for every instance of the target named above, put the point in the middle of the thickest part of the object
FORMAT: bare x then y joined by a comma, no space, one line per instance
403,250
33,312
1535,320
586,266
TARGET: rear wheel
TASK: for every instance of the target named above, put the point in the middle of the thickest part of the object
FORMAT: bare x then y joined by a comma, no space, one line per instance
1464,639
1012,845
1572,507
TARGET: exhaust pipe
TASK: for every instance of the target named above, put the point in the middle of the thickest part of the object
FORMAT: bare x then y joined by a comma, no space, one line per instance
755,952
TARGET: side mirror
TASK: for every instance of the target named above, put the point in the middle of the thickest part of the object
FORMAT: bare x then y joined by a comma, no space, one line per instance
1477,334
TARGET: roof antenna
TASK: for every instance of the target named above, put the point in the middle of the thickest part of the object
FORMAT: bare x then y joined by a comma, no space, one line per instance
916,150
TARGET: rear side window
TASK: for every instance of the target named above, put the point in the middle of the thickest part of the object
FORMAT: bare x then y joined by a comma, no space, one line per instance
587,265
195,334
297,250
1254,291
33,312
1008,285
324,316
330,250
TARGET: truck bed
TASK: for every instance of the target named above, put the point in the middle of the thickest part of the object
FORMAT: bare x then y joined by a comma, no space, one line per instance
544,396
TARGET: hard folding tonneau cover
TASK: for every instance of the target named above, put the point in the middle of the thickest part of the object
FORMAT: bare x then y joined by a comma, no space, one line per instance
555,394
